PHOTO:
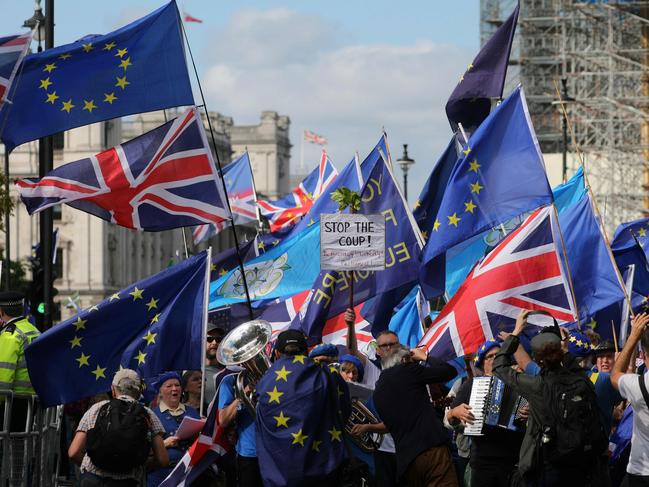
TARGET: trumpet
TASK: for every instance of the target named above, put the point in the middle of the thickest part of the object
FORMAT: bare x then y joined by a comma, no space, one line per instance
244,346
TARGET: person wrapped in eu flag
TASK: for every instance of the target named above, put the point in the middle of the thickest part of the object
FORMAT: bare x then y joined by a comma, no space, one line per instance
301,411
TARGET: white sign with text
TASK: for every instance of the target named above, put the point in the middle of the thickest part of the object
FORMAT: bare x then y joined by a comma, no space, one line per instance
352,242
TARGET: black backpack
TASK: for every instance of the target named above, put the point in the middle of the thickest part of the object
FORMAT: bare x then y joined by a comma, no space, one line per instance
572,427
120,440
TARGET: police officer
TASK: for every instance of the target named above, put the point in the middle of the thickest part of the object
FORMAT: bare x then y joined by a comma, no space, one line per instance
16,333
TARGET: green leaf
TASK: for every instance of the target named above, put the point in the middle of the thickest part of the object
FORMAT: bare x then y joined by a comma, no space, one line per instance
346,198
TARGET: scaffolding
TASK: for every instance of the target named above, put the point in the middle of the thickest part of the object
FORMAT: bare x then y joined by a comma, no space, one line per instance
601,50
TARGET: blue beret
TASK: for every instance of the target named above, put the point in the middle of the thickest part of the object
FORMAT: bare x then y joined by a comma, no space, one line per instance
579,344
356,361
483,349
326,349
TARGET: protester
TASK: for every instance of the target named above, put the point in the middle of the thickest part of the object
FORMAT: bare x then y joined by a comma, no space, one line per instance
351,368
191,385
301,414
171,412
401,398
564,436
101,442
633,387
605,356
494,455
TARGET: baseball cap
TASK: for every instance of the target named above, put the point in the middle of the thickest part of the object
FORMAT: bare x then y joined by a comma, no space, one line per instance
544,338
290,337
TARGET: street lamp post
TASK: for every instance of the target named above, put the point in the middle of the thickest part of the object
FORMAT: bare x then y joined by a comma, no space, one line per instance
405,162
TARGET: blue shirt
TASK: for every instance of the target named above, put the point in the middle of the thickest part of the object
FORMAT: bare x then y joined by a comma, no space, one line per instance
246,444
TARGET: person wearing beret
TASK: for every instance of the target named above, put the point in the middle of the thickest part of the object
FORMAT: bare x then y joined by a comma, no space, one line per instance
170,411
325,353
16,333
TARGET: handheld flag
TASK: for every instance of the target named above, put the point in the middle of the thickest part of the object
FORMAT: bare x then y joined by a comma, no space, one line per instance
12,51
160,180
152,326
138,68
501,175
470,102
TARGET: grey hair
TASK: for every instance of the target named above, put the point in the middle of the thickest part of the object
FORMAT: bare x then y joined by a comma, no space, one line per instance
129,387
395,358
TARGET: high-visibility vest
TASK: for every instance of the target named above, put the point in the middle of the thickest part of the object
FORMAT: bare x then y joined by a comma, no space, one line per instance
14,338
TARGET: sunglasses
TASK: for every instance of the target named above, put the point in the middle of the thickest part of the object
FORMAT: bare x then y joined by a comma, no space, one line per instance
211,339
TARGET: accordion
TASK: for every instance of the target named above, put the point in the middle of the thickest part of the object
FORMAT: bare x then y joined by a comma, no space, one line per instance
494,404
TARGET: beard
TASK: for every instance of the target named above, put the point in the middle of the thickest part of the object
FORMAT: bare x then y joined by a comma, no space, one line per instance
210,354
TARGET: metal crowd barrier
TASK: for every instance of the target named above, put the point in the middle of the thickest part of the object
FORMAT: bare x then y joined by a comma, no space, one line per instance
29,442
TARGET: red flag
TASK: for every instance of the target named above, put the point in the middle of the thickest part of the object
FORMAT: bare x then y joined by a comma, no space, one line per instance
189,18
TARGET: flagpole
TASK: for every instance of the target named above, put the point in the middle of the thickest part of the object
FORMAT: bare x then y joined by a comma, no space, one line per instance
302,153
206,297
185,242
565,259
218,162
593,203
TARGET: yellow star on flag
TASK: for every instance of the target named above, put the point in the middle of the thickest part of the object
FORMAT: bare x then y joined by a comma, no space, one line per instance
335,434
469,206
109,97
89,105
125,63
453,219
80,324
274,395
94,307
572,339
140,357
136,293
149,337
121,82
108,46
155,318
83,359
88,47
474,166
299,437
467,150
315,446
212,267
121,52
49,67
436,225
424,234
282,374
469,67
261,246
75,342
475,187
417,204
282,420
45,83
152,304
222,272
115,296
592,323
311,222
67,106
299,358
642,232
65,56
99,372
52,97
579,343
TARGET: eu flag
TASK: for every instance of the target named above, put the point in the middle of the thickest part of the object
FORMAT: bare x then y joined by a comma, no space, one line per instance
138,68
299,427
152,326
500,175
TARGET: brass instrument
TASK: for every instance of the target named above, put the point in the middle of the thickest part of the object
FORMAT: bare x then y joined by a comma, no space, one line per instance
244,346
368,442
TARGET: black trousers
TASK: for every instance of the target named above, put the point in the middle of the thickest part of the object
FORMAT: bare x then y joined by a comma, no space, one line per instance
493,472
91,480
385,468
248,474
635,480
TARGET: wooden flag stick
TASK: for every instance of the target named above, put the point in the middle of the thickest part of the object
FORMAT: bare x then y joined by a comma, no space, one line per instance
614,336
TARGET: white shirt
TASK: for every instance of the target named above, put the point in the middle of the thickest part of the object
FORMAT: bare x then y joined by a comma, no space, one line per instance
370,377
630,390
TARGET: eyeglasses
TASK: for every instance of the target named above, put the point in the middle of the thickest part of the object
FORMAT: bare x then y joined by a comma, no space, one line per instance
211,339
386,346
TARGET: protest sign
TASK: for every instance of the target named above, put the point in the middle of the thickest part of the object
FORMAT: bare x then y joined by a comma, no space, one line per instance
352,242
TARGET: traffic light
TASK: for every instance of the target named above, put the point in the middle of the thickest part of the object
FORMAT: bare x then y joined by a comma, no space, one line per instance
37,293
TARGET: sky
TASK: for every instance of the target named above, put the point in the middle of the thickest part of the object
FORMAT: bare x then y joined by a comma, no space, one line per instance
345,69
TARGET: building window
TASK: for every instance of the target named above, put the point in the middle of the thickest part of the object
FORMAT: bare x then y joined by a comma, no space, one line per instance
57,212
58,141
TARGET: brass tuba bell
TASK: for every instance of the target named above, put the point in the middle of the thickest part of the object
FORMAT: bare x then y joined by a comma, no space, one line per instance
368,442
244,346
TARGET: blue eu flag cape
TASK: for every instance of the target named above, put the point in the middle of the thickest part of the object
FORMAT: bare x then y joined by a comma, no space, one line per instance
153,326
300,432
138,68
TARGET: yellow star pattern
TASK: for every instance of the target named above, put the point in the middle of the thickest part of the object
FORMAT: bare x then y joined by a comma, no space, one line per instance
299,358
315,446
282,420
299,438
579,343
80,324
642,232
67,106
212,267
94,307
45,83
436,225
592,323
311,222
469,67
121,82
136,293
467,150
282,374
453,219
424,234
274,395
65,56
110,97
88,47
149,337
335,434
52,97
152,304
572,339
109,46
115,296
83,359
475,187
75,342
49,67
417,204
99,372
89,105
474,166
261,246
222,272
155,318
125,63
121,52
469,206
140,357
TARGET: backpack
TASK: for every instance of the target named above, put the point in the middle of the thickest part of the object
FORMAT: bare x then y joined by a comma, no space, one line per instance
120,440
572,427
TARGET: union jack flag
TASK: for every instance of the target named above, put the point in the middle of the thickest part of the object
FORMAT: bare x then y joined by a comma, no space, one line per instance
523,272
285,212
314,138
163,179
12,51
